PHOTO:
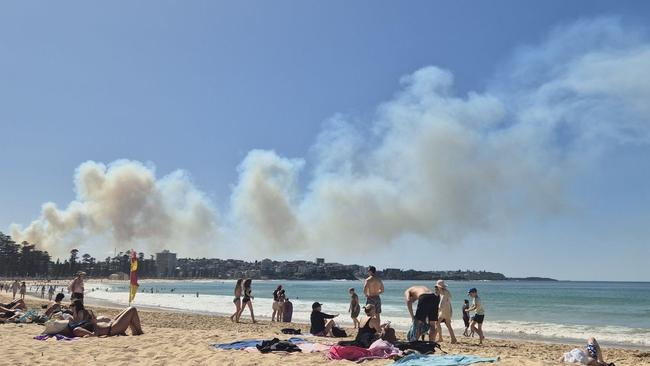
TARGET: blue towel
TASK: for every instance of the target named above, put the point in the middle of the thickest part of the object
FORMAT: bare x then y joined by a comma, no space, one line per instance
239,344
410,335
446,360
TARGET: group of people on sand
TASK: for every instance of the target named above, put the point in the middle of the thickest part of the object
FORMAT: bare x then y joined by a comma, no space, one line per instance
73,319
282,306
16,287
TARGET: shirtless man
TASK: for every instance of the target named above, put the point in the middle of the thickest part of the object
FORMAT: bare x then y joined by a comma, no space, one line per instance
427,309
372,288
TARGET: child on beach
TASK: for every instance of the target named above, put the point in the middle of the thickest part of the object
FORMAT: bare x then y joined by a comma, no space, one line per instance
466,317
354,308
476,325
23,290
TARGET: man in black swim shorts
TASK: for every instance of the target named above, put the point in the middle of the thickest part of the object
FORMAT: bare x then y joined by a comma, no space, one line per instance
427,309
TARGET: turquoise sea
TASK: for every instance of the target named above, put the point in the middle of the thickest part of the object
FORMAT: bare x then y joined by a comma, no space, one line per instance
617,313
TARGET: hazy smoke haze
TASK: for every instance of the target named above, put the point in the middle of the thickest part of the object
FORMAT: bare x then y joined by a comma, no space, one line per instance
431,163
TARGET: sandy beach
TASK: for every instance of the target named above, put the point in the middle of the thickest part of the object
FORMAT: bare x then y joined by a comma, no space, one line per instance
185,339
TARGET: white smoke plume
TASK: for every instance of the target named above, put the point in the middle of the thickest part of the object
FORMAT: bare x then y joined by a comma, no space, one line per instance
441,166
431,164
124,206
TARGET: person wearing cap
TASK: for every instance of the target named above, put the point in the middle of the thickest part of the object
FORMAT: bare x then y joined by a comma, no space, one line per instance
373,287
445,310
476,324
321,323
76,286
427,309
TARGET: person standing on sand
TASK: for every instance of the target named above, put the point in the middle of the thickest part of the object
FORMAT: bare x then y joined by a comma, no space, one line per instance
355,308
23,290
247,300
50,293
445,311
465,317
276,304
237,301
287,311
76,287
373,287
427,310
15,287
476,325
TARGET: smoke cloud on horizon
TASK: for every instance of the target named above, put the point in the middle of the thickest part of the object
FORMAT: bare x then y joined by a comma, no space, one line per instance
431,164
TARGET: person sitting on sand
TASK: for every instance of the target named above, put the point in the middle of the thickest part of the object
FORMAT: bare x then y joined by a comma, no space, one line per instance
592,357
476,325
370,329
237,301
247,300
426,311
319,326
354,308
56,306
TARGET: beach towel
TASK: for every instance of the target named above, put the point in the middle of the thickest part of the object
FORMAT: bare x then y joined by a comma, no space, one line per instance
239,345
445,360
412,332
59,337
249,343
380,349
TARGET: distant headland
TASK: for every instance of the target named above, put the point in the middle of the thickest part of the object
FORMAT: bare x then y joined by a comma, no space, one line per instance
24,260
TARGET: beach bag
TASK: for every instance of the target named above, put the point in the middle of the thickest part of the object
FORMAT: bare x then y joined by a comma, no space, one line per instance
338,332
290,331
55,326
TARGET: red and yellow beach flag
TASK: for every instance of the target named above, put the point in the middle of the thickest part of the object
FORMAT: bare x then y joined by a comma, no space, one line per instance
134,276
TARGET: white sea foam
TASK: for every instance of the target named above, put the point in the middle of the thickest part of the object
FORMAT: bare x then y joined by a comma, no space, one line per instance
222,305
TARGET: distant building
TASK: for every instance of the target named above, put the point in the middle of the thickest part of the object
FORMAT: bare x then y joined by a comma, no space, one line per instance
166,263
320,261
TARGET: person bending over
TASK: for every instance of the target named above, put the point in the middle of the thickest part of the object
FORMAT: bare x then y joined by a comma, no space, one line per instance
427,309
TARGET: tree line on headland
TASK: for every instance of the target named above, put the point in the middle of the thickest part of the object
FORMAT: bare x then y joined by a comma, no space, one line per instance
23,260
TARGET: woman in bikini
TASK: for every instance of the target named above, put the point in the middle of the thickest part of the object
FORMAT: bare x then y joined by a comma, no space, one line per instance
85,324
237,301
247,300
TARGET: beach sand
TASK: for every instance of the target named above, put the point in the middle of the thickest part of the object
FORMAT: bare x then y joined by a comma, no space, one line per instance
185,339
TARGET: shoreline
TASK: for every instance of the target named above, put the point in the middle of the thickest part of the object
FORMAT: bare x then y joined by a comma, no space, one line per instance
260,311
173,338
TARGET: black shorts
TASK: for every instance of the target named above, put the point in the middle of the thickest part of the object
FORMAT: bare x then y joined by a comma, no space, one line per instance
478,318
427,308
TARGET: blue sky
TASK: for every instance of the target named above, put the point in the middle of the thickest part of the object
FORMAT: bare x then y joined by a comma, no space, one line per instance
197,85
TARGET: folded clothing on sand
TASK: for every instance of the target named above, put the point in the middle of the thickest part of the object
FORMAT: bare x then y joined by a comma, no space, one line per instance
445,360
250,343
59,337
420,346
276,345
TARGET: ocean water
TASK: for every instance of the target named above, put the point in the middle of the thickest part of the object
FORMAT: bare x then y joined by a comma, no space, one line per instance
616,313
